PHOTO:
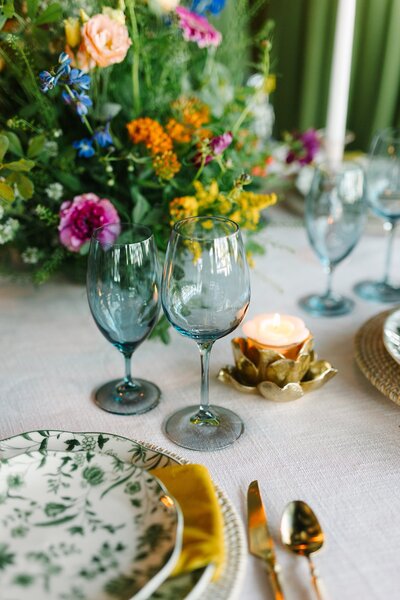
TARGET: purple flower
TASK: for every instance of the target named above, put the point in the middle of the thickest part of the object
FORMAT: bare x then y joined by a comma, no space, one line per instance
220,143
212,6
103,136
217,145
197,29
303,147
84,147
81,216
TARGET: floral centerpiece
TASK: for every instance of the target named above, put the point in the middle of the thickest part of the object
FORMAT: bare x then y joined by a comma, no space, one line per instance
134,110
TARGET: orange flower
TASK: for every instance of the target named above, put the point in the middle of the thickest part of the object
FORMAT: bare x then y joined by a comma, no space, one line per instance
178,132
193,112
166,164
150,133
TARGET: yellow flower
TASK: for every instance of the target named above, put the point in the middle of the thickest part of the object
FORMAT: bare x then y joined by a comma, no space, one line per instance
207,224
206,196
83,15
270,84
183,207
72,28
114,13
195,249
236,216
259,201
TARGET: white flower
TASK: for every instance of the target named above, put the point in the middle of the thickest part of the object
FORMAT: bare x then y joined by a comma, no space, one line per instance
8,230
31,255
57,133
54,191
51,147
161,7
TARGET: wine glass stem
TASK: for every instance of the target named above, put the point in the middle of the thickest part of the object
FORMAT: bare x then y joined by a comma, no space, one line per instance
329,271
205,350
128,374
391,228
204,415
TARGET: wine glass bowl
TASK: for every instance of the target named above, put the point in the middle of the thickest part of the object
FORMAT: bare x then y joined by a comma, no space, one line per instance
383,187
335,216
123,294
205,296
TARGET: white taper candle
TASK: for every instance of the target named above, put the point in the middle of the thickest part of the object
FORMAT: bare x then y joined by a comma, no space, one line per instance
340,81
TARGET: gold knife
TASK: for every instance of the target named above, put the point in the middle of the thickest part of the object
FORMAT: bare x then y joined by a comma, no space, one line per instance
261,543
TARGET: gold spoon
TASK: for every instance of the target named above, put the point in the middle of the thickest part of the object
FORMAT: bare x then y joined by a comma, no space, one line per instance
302,534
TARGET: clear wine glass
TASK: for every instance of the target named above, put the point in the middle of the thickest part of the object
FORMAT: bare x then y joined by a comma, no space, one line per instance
335,217
123,277
205,295
383,190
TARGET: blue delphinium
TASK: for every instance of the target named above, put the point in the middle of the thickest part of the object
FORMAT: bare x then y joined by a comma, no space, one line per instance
82,103
49,80
103,137
74,81
203,6
79,79
84,147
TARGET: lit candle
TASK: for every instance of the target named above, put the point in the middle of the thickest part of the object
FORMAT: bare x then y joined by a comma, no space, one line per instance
340,81
276,331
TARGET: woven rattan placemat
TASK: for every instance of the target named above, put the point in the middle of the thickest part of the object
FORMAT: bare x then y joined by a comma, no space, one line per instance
374,360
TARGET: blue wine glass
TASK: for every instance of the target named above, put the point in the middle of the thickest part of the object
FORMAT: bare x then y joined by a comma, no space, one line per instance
205,294
123,278
335,217
383,190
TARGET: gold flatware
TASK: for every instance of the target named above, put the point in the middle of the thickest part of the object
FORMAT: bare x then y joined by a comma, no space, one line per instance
261,543
301,533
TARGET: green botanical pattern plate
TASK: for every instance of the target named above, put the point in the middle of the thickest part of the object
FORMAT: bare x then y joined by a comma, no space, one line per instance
193,586
83,525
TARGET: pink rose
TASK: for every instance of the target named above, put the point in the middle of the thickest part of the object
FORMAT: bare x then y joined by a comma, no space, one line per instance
106,40
81,216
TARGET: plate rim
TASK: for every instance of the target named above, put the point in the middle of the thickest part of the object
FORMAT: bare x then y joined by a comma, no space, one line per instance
228,586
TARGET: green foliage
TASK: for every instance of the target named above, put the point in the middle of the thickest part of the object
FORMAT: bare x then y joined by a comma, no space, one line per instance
11,177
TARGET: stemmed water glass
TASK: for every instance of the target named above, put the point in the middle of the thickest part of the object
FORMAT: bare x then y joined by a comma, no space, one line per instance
335,216
123,278
383,190
205,295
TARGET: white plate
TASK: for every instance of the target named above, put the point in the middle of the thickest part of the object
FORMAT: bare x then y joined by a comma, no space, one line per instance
391,330
84,525
145,455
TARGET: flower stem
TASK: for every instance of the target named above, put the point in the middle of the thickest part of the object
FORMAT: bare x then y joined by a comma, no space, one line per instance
135,61
83,117
199,172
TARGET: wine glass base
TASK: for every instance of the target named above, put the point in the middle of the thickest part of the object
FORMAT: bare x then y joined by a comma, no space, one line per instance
140,399
204,437
326,306
377,291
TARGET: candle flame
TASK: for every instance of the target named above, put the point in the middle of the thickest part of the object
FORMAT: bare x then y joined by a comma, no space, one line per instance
276,321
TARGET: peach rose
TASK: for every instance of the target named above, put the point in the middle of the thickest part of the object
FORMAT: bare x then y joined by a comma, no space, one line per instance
106,40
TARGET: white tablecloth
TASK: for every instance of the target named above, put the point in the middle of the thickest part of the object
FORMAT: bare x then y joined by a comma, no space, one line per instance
337,448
